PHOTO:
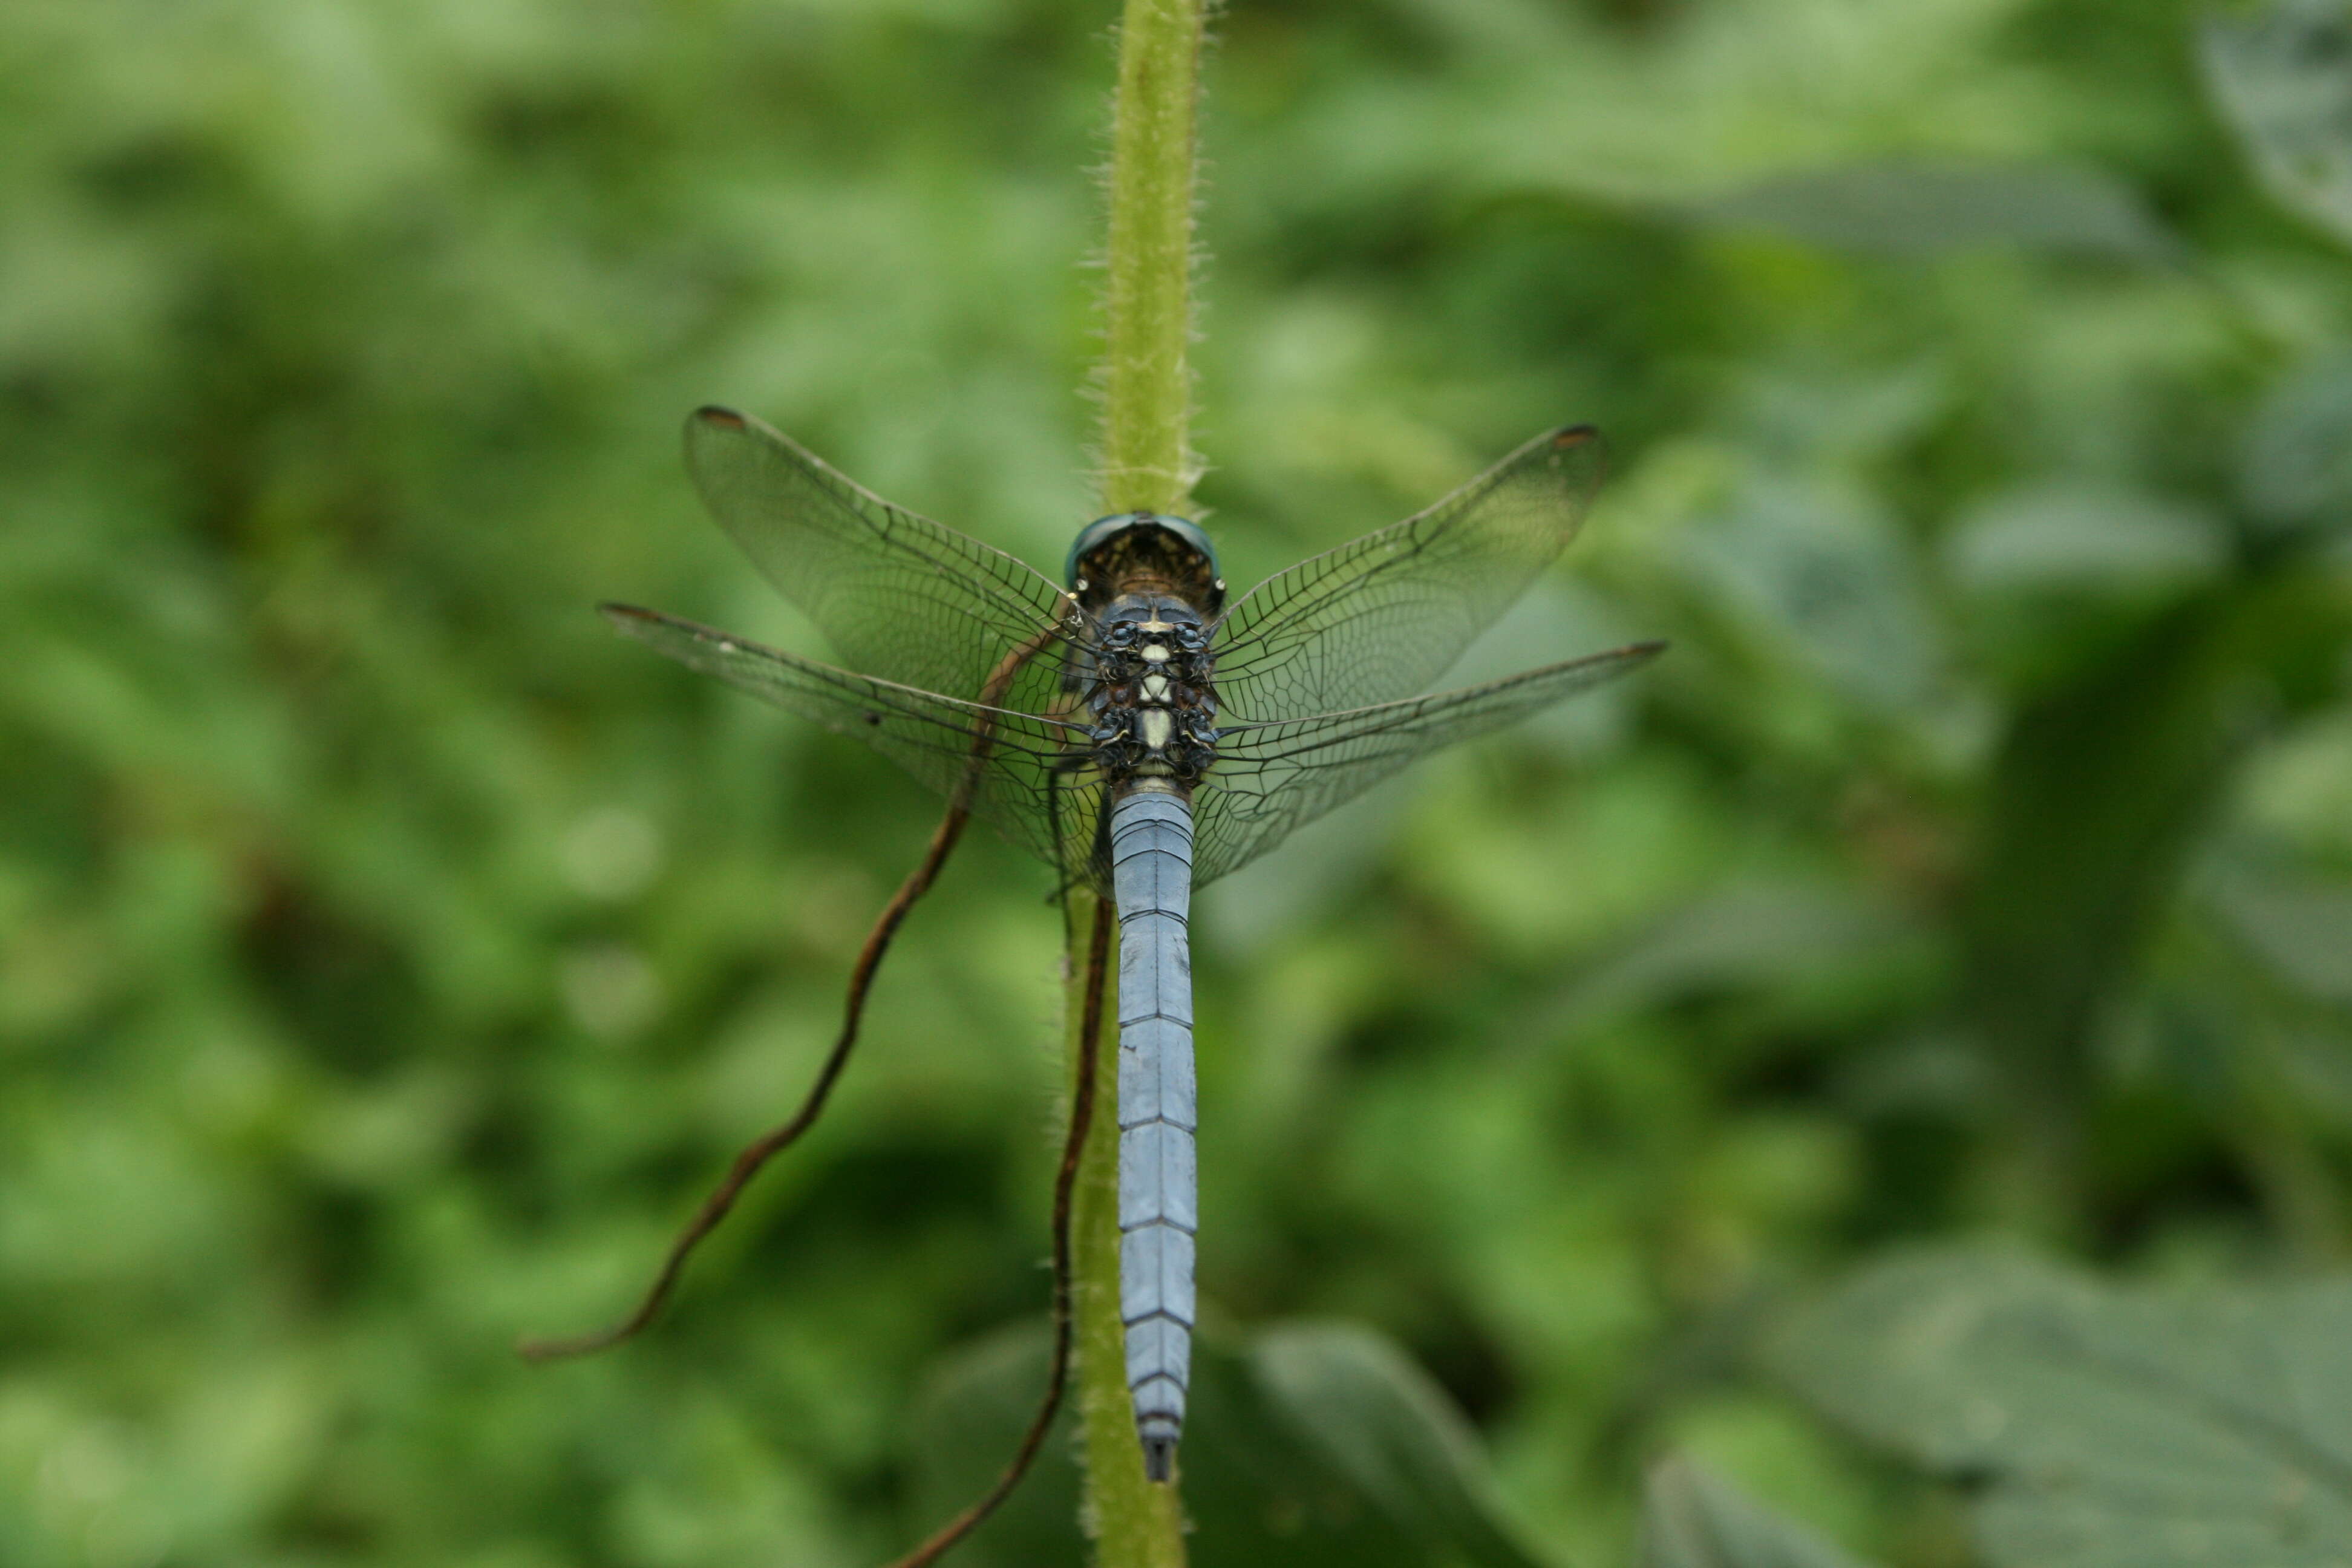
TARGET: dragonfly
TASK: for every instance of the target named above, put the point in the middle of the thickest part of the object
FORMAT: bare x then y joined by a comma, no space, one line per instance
1140,731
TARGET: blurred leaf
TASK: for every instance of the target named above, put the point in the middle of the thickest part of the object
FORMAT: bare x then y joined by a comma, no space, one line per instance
2058,577
2103,1425
965,1424
2095,796
1382,1422
2296,473
2301,928
2098,795
1824,577
1691,1517
1926,209
1321,1443
1758,937
2072,536
2282,75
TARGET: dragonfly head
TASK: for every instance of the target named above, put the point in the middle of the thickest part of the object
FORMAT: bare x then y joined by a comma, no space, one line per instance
1145,551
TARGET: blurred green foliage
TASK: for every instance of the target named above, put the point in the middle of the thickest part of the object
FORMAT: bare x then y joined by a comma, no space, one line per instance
388,955
2166,1427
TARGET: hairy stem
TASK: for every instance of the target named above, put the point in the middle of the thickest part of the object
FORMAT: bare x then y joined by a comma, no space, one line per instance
1147,376
1135,1524
1147,466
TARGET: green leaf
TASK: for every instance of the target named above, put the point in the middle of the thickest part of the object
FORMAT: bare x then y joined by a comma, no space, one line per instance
2296,477
2084,538
2104,1427
2056,577
1317,1444
1691,1517
2301,927
2282,74
1380,1422
2093,805
1925,209
1816,573
1793,938
965,1423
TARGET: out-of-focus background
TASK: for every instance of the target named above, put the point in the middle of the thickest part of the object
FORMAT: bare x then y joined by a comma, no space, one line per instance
389,956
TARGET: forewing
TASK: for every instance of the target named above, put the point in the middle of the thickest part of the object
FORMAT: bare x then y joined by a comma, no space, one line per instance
897,595
1272,778
1383,617
1011,769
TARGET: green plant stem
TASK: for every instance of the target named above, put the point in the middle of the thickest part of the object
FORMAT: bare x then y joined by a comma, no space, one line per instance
1147,466
1147,377
1134,1523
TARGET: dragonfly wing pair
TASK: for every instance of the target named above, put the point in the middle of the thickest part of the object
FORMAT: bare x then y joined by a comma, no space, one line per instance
955,648
973,671
897,595
1381,617
1007,767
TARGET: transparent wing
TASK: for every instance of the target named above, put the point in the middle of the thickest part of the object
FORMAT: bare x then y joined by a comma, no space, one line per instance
1383,617
1014,770
1270,778
897,595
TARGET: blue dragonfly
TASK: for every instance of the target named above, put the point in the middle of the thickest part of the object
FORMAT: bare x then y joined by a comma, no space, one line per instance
1140,731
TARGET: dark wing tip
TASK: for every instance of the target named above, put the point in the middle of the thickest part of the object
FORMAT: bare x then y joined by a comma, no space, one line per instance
1585,440
625,616
1588,447
721,419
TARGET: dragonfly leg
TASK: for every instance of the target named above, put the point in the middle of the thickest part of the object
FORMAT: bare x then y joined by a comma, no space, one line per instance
1073,1142
774,1142
1067,881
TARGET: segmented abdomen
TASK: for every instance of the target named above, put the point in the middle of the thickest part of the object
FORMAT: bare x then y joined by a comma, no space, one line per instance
1151,876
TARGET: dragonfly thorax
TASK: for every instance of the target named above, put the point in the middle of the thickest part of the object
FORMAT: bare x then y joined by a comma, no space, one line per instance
1152,699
